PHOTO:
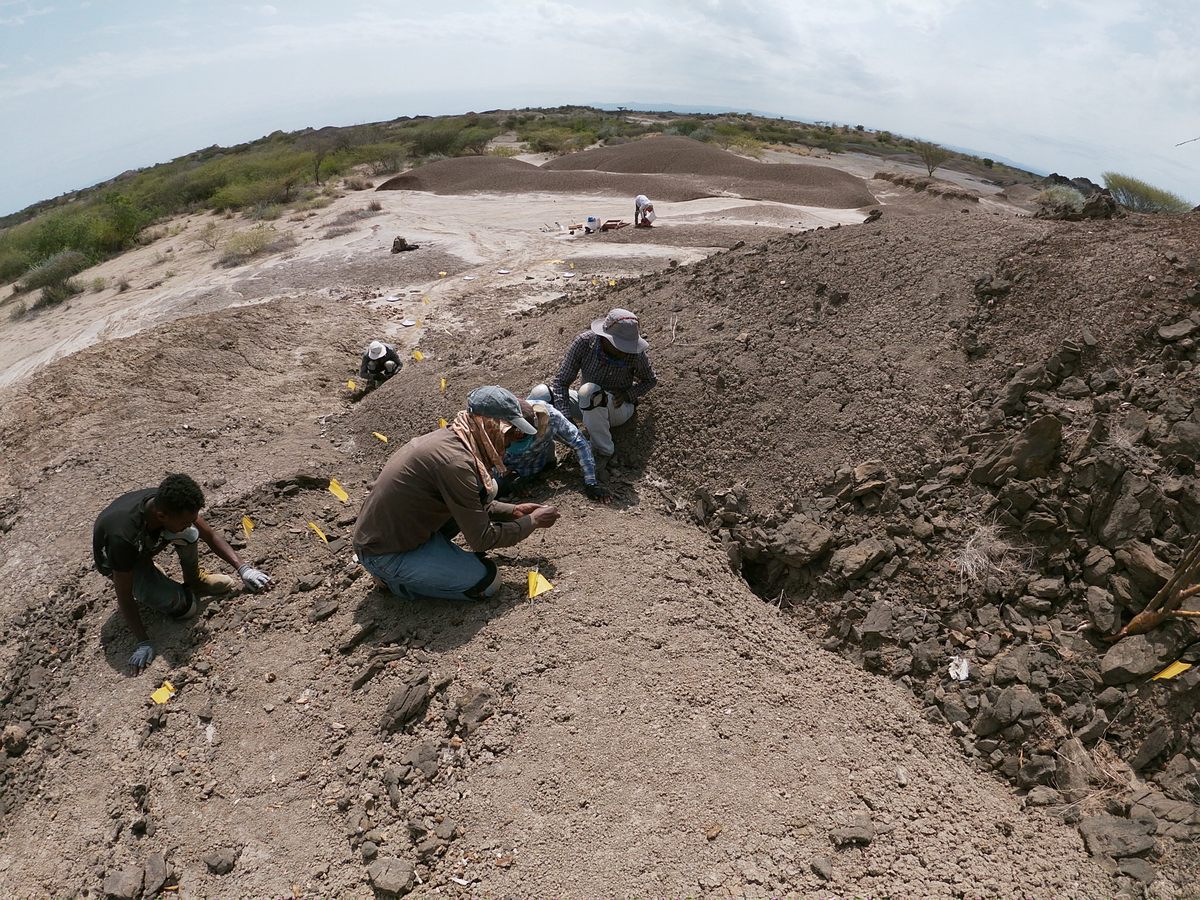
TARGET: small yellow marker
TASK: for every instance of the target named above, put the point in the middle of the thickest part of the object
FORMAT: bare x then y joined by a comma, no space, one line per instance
319,533
247,526
572,265
337,490
418,355
382,437
595,282
1175,668
352,384
443,385
164,693
442,423
538,585
425,300
612,282
441,274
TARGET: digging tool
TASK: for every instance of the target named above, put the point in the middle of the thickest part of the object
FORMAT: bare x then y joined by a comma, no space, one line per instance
1165,604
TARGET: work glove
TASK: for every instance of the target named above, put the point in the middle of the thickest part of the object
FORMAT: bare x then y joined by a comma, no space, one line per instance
597,492
254,579
142,657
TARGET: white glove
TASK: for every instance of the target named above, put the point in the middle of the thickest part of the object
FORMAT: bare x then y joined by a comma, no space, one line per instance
254,579
389,367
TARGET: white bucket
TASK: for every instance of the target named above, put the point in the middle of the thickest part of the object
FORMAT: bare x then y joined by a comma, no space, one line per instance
591,225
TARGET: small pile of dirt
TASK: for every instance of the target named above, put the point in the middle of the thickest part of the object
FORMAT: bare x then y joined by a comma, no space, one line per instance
932,186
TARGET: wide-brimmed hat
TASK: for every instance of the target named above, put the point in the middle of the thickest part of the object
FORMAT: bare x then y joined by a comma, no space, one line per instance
620,328
499,403
376,349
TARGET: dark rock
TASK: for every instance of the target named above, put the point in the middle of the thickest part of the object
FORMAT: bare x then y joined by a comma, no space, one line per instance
1041,795
1118,838
859,832
155,873
1103,610
125,884
1021,384
222,860
1100,205
878,620
1026,456
1137,869
1155,744
1076,770
799,541
322,610
15,740
1013,667
1074,388
369,850
424,758
1037,769
408,704
858,559
475,708
1134,513
1012,704
309,582
1146,570
1097,566
822,867
1139,655
391,877
1183,439
1177,331
356,634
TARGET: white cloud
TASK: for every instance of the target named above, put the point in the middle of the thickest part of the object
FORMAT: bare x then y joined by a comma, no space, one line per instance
18,12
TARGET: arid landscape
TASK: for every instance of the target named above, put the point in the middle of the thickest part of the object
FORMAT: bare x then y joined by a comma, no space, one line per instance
904,428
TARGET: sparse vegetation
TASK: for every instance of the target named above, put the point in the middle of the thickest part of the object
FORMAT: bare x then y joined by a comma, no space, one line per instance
210,235
98,284
986,553
932,156
375,206
1135,194
1060,196
53,270
251,242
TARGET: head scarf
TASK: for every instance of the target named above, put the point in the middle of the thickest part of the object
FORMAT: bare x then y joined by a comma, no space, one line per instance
484,437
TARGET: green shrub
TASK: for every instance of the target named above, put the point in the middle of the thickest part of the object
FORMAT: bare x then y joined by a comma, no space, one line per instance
1060,195
56,293
1137,195
13,263
988,162
245,245
98,284
55,270
503,150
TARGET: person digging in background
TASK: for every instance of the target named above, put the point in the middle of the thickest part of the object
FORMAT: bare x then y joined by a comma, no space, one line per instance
643,212
533,454
134,528
611,359
440,484
380,362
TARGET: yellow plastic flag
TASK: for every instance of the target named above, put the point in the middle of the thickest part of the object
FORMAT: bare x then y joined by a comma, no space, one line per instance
247,526
337,490
352,384
418,355
382,437
612,282
595,282
538,585
425,300
164,693
443,385
1175,668
441,274
572,265
319,533
442,423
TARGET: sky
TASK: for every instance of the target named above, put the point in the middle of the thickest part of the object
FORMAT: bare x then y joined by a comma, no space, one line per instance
90,89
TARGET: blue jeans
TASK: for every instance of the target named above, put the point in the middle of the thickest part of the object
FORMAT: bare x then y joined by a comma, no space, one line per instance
438,568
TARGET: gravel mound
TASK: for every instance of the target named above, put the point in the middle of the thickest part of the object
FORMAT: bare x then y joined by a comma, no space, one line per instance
664,155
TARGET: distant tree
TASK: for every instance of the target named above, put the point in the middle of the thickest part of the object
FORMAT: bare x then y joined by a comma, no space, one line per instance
988,162
932,155
884,137
1135,194
860,128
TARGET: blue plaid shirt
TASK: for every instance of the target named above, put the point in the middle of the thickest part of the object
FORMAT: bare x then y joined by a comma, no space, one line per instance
539,454
633,376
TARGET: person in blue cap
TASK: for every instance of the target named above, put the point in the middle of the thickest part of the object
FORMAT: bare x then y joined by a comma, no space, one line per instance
443,483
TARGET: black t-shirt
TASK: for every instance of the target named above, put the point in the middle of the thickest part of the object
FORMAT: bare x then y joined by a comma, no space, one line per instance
120,537
375,367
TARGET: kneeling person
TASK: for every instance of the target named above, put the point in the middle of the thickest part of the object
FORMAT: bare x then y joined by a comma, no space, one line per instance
532,454
380,362
134,528
440,484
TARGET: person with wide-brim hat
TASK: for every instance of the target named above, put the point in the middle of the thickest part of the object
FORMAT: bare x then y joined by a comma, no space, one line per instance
380,362
610,359
443,483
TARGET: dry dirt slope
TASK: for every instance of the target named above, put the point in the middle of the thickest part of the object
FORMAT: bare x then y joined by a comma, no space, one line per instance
579,745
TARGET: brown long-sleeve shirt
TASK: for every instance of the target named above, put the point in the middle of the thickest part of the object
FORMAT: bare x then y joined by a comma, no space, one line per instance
426,483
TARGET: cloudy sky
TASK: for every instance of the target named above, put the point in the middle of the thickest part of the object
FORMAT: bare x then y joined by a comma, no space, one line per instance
89,89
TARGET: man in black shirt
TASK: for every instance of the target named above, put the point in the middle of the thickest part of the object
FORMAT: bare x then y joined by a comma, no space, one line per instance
130,533
380,362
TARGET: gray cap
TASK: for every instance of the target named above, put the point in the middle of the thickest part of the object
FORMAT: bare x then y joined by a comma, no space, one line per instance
620,327
499,403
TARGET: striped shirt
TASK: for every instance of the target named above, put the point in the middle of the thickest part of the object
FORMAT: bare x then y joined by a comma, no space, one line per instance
633,376
539,454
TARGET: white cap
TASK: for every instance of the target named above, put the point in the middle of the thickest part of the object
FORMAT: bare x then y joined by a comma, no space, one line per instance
376,349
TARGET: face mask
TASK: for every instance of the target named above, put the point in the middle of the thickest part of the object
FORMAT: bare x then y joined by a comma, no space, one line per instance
521,446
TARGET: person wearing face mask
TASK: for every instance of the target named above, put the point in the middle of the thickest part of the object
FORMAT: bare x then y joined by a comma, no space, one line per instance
611,361
534,453
438,485
134,528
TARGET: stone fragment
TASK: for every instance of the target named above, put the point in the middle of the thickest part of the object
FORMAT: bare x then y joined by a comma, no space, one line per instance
1013,703
1176,331
1183,439
878,620
1155,744
858,559
860,831
124,884
1095,729
322,610
155,873
391,876
1041,795
1138,869
822,867
1118,838
15,740
1026,456
1103,610
1146,570
424,758
222,860
799,541
1139,655
475,708
408,704
1076,770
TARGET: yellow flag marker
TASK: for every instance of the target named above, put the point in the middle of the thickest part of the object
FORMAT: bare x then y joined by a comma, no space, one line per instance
418,355
352,384
442,423
337,490
1175,668
382,437
612,282
319,533
572,265
425,300
595,282
443,385
538,585
164,693
247,526
441,274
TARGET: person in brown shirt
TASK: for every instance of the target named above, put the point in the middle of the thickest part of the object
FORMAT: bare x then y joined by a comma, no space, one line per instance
440,484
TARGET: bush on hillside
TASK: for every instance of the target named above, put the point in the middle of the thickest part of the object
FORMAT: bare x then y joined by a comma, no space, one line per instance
1060,196
1135,194
54,270
242,246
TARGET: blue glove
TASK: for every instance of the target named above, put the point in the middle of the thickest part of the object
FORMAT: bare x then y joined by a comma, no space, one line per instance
254,579
142,657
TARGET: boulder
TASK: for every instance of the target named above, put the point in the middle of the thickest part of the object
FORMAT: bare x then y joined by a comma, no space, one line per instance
125,884
391,877
1117,838
1177,331
1183,439
1141,655
799,541
1028,455
858,559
